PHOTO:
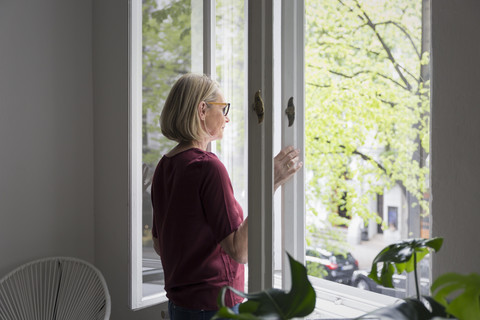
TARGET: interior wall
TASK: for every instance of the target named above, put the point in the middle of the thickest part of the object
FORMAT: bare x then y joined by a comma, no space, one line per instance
46,131
456,134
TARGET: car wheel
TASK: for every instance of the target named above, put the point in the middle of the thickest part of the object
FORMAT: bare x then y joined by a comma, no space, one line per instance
362,284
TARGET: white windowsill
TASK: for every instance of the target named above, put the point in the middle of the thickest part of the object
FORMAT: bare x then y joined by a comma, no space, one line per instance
338,301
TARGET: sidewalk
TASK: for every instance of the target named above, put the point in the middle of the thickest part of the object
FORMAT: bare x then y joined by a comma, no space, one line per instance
366,251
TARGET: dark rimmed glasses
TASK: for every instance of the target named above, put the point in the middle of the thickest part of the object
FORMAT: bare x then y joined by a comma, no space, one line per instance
224,109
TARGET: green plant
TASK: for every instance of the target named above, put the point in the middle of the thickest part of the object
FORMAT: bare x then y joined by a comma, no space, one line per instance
299,302
466,305
404,256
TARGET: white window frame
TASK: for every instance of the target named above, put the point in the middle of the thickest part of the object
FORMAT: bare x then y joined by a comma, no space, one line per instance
260,146
293,86
135,160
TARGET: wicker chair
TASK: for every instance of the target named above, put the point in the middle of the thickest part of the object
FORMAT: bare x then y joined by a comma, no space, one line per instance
57,288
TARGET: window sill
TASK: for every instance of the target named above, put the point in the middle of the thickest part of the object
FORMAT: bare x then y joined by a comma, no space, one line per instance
337,301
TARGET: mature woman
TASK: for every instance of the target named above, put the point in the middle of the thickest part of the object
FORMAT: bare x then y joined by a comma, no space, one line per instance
198,226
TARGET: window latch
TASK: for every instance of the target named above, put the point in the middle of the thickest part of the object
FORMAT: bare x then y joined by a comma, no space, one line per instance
258,106
290,111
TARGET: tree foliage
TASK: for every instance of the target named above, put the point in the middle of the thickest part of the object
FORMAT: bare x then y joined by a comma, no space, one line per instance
166,54
367,111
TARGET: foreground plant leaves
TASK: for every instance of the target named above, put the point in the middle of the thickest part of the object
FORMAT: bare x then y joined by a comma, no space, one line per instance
465,288
409,309
274,303
401,255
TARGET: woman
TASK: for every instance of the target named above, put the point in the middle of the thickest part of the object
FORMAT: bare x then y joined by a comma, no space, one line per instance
198,226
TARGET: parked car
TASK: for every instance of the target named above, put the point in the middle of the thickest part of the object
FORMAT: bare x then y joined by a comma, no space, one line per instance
361,280
327,265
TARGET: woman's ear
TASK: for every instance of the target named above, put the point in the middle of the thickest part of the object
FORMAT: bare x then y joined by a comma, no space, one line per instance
202,110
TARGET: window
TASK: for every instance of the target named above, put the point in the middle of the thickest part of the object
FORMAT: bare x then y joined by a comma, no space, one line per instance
342,182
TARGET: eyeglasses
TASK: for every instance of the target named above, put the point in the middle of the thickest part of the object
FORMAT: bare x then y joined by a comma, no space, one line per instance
224,109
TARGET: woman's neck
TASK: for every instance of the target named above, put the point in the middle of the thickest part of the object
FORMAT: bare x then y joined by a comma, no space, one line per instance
185,145
193,144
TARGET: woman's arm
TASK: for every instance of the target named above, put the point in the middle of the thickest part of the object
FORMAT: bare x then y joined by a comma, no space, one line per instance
236,243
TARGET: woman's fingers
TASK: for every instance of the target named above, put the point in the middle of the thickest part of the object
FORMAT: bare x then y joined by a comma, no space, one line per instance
286,164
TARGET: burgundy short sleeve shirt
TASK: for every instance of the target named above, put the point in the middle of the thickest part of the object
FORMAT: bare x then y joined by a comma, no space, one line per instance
193,210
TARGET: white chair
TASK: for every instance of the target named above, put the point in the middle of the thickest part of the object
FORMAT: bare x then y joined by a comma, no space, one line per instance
56,288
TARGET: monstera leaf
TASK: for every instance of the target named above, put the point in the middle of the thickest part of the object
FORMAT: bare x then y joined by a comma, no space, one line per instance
274,303
465,289
402,256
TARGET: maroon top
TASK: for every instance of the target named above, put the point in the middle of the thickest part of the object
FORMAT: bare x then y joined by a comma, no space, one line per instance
193,210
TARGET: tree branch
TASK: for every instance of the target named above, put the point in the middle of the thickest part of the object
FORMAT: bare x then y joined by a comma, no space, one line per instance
363,156
370,23
317,85
358,73
404,32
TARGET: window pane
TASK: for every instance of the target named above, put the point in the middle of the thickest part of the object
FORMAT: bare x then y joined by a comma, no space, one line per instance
230,63
367,135
172,45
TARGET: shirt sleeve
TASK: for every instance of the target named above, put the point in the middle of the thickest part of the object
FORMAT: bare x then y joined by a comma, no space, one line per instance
222,212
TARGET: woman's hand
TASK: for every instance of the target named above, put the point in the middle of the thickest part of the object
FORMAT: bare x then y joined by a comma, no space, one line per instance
285,165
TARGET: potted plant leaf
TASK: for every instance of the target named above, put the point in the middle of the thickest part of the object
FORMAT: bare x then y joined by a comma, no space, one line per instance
455,295
400,257
274,303
464,291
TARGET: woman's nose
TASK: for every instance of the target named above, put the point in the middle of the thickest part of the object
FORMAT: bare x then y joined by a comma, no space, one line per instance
227,119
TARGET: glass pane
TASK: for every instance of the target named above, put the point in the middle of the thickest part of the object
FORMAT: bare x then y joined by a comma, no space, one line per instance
367,135
172,45
230,62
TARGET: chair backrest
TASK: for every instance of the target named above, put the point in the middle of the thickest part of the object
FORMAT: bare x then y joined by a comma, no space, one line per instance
54,288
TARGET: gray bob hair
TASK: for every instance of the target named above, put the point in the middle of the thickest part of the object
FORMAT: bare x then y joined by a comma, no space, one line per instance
179,120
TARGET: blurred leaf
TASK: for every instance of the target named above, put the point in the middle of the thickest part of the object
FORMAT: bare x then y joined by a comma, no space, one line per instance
465,289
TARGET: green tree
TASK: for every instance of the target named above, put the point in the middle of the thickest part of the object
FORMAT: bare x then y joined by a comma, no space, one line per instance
367,114
166,54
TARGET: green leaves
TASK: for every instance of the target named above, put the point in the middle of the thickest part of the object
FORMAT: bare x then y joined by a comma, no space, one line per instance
466,304
454,294
299,302
403,255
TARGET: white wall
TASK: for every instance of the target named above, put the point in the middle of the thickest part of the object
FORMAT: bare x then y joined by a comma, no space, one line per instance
456,134
46,131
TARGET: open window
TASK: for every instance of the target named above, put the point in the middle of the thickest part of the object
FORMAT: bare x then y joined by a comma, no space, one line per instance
361,119
367,133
